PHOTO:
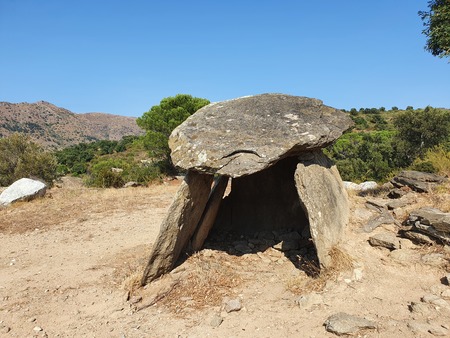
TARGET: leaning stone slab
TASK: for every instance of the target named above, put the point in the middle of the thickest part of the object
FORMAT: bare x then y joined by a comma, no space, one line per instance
210,214
246,135
324,200
24,189
179,224
345,324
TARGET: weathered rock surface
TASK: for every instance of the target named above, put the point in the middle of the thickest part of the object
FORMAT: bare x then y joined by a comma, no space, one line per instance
345,324
363,187
417,181
24,189
386,239
385,217
432,222
245,135
324,200
179,224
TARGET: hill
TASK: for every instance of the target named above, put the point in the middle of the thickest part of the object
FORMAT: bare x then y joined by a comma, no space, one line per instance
55,128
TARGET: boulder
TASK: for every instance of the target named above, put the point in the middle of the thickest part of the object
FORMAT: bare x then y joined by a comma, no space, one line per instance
246,135
24,189
417,181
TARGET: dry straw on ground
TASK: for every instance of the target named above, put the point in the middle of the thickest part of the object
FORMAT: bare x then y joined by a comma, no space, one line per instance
341,262
207,281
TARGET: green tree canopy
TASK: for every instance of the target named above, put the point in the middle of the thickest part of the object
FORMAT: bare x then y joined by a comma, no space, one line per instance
160,120
419,130
437,27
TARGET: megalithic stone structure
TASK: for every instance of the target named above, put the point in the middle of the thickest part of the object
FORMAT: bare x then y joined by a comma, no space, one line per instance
270,146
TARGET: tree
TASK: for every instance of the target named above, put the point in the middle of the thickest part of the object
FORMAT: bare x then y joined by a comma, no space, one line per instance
20,157
436,21
162,119
420,130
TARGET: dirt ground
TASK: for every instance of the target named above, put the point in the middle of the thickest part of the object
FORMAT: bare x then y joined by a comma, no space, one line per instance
70,263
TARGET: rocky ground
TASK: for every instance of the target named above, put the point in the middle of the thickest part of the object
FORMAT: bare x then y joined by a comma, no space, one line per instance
70,265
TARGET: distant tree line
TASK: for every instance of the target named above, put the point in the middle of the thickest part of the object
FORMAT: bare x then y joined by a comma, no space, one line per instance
381,143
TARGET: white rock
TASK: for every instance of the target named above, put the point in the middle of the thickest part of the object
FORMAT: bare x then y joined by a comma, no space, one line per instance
23,189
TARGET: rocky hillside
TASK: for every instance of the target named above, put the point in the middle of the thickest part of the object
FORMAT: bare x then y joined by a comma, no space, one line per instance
54,127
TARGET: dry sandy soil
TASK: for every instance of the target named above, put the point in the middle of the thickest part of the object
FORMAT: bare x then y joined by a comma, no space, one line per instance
70,263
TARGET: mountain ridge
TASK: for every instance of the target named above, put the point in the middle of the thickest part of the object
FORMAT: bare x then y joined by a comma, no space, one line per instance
55,127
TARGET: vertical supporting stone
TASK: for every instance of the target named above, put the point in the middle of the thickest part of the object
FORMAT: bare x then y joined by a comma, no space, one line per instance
210,214
324,200
179,224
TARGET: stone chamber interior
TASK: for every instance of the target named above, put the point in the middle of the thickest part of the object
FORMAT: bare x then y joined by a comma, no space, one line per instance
264,210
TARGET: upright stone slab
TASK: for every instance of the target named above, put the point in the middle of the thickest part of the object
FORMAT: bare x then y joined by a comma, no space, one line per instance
179,224
210,213
325,202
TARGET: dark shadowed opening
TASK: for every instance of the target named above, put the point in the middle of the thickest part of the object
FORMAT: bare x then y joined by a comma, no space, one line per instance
263,210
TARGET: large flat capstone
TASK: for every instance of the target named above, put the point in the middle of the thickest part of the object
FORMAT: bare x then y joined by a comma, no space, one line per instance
246,135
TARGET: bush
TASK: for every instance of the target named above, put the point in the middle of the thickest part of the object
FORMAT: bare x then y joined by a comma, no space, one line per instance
435,160
364,156
420,130
20,157
114,172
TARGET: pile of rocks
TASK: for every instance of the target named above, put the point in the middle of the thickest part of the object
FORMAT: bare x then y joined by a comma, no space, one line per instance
428,221
414,180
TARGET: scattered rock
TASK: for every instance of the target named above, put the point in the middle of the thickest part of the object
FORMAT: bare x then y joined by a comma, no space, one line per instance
310,300
417,181
362,187
233,305
24,189
396,193
432,222
37,329
345,324
375,222
447,279
379,206
399,203
216,321
386,239
417,237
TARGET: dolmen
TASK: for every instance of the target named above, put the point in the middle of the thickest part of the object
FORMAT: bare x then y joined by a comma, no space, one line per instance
269,147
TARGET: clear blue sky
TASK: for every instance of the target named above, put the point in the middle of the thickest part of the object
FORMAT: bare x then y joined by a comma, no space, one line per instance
122,57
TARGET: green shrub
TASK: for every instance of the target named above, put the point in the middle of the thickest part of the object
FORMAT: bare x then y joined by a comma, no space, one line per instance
20,157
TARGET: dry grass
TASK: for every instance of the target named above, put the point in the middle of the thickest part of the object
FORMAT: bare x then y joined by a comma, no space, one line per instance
62,206
207,282
341,262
